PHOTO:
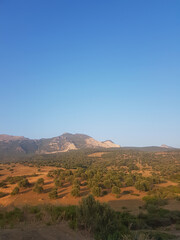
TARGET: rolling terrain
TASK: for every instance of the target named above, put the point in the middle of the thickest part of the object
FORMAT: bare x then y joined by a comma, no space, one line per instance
138,188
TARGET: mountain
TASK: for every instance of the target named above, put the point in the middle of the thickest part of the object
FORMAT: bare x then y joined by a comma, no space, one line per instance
165,146
5,137
20,145
162,148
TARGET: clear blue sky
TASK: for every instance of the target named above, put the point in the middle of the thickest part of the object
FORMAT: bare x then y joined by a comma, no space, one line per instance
110,69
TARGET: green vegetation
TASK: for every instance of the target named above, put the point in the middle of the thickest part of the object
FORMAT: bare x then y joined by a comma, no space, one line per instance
58,182
15,191
118,172
38,188
116,190
40,181
75,192
53,194
99,219
24,183
97,191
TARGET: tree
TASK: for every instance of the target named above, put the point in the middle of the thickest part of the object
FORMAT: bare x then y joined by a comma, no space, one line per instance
76,181
40,181
143,185
97,191
24,183
116,190
15,191
38,189
129,181
75,191
100,219
58,183
107,184
53,194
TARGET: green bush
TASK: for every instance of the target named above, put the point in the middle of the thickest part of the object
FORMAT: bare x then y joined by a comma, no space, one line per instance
3,184
100,219
107,184
53,194
97,191
11,217
143,185
15,191
75,192
40,181
116,190
58,183
38,189
24,183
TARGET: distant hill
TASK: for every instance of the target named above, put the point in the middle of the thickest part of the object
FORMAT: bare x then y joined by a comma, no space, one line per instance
166,146
12,147
20,145
162,148
5,137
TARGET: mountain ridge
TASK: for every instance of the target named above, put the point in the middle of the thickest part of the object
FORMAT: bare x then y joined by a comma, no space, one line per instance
14,144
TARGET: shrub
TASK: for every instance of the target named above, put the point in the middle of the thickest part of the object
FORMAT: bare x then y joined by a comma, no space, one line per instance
13,180
129,181
38,189
3,184
107,184
70,179
24,183
97,191
116,190
76,182
40,181
143,185
58,183
15,191
53,194
100,219
75,191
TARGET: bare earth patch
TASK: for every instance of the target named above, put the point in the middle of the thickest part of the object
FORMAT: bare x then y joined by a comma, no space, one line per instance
42,232
173,205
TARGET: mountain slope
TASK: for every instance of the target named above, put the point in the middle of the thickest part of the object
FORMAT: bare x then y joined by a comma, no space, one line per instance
21,145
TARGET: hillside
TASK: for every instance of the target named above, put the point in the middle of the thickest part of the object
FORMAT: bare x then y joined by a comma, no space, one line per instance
10,145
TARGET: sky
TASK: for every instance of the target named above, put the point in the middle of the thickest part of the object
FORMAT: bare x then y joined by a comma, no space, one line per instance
108,69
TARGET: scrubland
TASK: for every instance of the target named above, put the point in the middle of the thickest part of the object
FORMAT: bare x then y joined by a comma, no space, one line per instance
113,194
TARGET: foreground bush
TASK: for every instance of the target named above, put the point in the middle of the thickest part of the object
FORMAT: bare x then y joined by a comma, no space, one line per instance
11,217
99,219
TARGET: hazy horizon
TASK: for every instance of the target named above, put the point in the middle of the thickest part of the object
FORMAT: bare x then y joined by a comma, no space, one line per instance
106,69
